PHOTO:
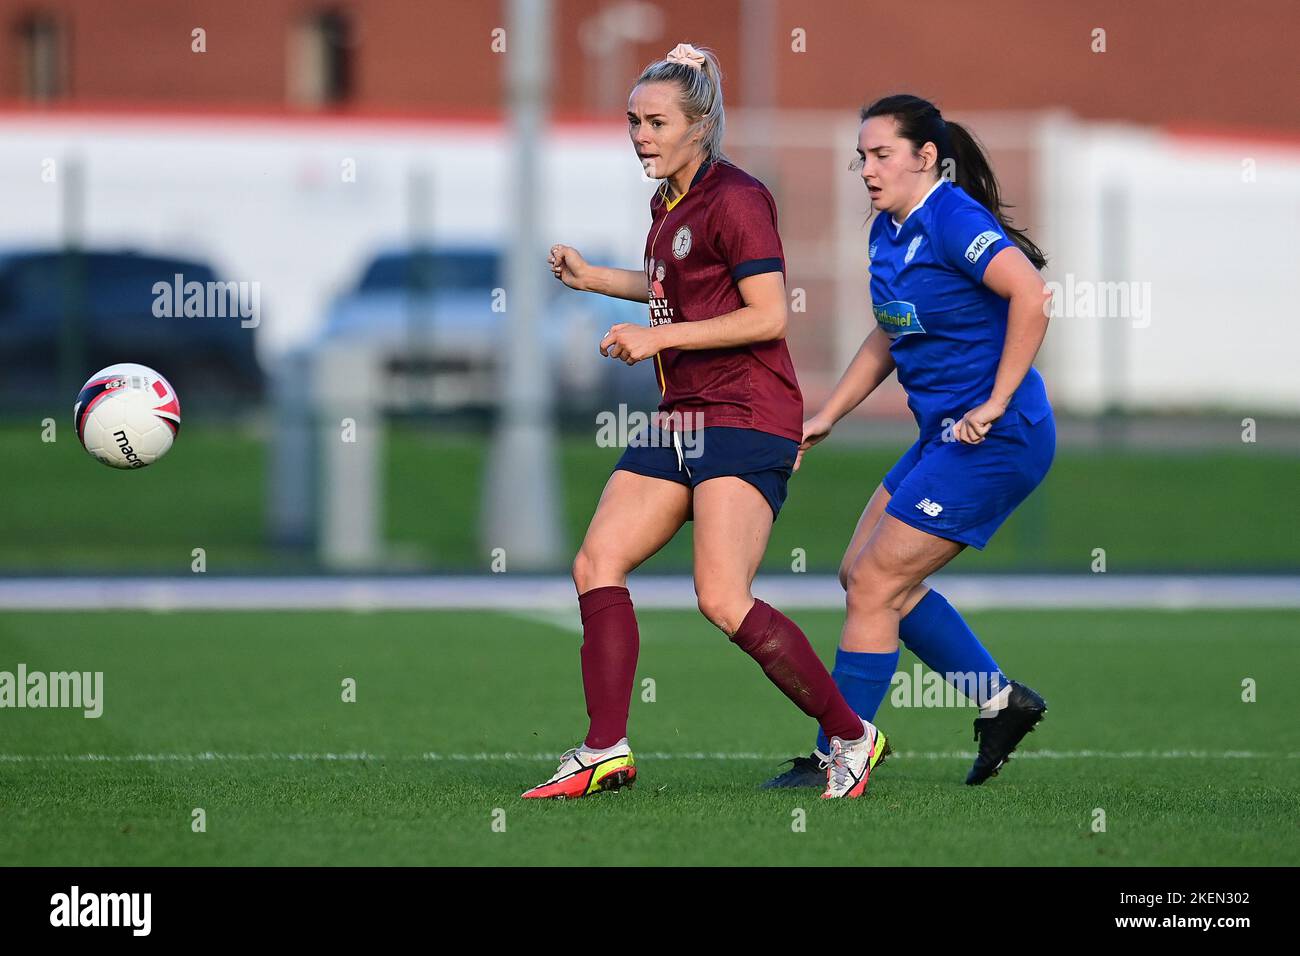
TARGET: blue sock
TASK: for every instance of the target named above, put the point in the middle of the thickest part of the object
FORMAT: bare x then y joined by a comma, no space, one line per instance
940,637
863,679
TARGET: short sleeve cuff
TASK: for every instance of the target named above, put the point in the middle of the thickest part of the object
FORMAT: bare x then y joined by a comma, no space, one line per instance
756,267
983,265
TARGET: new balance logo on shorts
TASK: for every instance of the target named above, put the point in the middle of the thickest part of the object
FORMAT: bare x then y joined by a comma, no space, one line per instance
932,508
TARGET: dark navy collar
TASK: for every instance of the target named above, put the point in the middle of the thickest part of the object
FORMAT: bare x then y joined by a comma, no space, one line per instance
669,204
699,173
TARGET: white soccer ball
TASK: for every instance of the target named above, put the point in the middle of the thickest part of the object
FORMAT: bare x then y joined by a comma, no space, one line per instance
127,415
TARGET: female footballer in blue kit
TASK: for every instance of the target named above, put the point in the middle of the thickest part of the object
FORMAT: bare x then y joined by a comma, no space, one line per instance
960,313
714,280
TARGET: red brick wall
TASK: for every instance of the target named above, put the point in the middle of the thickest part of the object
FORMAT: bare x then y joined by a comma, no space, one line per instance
1173,61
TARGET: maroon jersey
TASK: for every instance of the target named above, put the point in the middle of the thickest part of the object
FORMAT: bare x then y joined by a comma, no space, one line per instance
722,230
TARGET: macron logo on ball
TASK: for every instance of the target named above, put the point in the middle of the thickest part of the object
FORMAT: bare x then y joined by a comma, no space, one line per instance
980,243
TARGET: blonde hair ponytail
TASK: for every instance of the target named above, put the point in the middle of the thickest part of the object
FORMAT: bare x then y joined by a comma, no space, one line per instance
696,73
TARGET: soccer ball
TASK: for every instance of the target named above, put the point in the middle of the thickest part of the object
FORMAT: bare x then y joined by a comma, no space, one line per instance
127,415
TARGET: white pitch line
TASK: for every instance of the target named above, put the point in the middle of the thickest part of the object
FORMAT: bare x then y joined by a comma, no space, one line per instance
483,757
569,621
554,593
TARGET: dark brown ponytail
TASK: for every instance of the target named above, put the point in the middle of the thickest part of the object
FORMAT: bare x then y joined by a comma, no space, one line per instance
919,122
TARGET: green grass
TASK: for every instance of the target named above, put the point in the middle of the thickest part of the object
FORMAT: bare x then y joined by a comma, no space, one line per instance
1149,511
62,509
451,683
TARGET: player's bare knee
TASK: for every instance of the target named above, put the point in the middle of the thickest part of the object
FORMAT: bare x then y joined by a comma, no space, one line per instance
870,586
860,583
582,570
723,610
710,607
590,570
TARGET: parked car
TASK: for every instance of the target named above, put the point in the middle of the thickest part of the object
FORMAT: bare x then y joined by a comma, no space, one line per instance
444,306
64,314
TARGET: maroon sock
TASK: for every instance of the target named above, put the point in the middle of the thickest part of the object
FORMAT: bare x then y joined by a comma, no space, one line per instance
610,643
790,663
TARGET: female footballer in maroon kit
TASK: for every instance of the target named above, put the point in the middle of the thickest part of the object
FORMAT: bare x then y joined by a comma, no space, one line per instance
724,443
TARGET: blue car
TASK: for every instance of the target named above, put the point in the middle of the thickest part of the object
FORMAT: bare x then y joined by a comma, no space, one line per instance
64,314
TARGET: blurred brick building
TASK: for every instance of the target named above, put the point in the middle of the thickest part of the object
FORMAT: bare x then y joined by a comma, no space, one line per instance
1197,62
1185,64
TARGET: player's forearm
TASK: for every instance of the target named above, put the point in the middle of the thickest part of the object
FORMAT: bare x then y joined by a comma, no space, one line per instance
1026,328
871,366
619,283
742,327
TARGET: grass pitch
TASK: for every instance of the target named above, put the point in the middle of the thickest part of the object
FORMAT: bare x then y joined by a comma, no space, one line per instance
1149,510
455,714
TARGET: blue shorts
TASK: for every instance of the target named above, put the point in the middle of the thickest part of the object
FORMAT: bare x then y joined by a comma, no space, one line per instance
765,461
964,492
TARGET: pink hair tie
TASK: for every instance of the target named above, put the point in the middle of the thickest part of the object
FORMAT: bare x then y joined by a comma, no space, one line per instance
685,53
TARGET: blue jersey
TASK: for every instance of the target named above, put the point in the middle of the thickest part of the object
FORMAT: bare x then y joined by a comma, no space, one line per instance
947,328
